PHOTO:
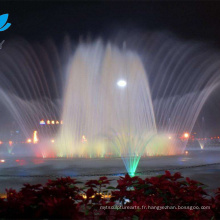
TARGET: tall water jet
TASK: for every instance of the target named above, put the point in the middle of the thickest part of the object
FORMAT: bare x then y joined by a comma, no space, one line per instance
107,100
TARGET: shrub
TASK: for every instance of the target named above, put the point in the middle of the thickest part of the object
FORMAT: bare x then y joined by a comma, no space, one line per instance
132,198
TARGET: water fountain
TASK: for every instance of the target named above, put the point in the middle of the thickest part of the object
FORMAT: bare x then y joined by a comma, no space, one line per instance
107,107
108,100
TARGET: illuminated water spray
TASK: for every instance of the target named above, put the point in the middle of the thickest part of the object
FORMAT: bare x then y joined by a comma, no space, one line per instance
108,101
108,108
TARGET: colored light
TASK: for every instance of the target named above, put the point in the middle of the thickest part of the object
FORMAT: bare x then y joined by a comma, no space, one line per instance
48,122
170,137
42,122
52,122
57,122
0,142
35,138
61,122
28,140
133,167
52,141
186,135
84,139
10,143
2,161
186,152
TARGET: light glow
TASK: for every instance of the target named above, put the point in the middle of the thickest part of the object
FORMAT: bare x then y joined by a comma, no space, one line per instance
35,138
42,122
186,135
29,140
121,83
84,139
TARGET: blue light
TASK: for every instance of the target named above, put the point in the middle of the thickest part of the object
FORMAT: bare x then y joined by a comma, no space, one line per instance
42,122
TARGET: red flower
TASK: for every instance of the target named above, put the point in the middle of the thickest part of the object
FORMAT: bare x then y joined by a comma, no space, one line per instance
62,198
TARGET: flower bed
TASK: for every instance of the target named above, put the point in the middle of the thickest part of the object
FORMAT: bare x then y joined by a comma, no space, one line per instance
162,197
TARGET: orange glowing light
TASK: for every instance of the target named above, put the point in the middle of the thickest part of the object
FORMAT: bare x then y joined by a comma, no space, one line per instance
10,143
170,137
0,142
52,141
186,152
2,161
35,138
61,122
186,135
102,195
48,122
57,122
52,122
29,140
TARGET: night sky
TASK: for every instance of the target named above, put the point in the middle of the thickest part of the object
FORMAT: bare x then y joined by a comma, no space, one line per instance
38,20
190,21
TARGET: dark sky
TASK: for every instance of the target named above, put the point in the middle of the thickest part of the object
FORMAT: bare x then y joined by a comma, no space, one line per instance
37,21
